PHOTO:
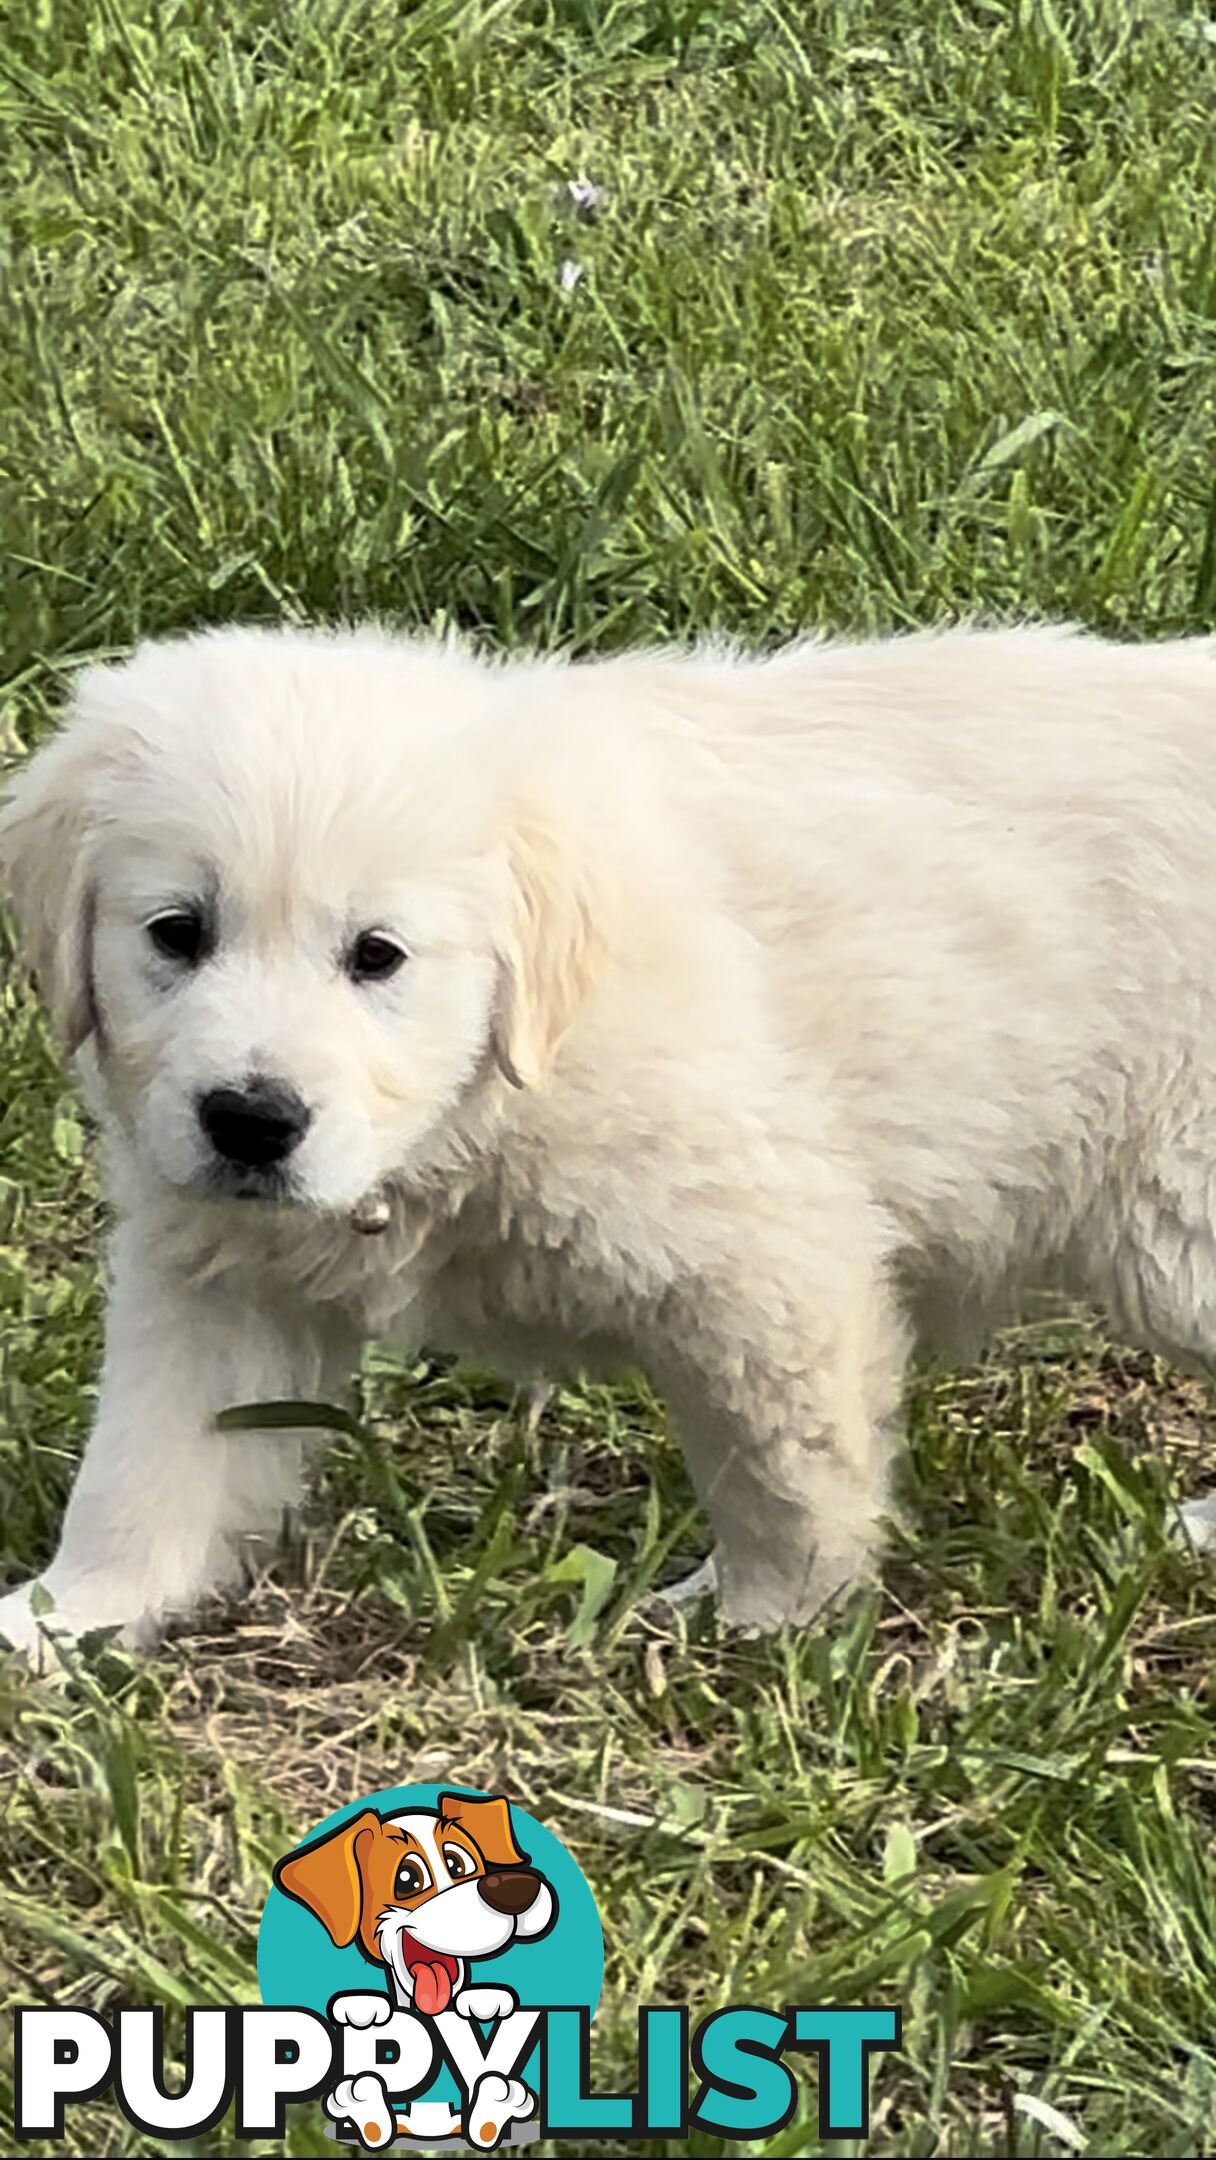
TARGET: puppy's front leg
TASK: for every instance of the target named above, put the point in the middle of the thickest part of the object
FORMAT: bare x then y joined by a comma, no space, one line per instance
785,1423
165,1508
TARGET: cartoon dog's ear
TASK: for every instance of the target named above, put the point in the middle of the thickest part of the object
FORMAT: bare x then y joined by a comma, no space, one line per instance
550,951
488,1823
49,815
327,1877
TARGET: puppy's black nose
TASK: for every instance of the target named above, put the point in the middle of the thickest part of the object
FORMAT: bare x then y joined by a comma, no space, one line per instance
256,1126
511,1893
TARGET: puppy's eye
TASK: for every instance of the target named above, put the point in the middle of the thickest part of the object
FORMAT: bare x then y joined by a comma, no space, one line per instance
178,934
458,1862
373,958
413,1875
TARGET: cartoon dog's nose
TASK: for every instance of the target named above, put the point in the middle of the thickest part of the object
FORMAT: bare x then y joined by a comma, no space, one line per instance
255,1126
511,1893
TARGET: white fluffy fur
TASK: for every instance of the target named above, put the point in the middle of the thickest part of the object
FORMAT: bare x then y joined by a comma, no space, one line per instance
762,1019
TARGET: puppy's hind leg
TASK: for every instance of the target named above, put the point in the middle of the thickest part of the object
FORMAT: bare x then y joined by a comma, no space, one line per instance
789,1445
1157,1277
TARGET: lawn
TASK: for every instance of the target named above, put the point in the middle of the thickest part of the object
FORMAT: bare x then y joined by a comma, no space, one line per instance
869,315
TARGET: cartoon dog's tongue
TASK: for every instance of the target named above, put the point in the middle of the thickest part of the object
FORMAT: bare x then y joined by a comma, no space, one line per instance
433,1975
432,1989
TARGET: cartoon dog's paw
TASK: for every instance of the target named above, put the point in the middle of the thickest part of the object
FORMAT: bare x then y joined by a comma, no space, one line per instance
367,2007
487,2003
495,2102
363,2100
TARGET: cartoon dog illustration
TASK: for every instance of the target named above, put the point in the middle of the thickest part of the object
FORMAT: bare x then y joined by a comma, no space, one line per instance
424,1893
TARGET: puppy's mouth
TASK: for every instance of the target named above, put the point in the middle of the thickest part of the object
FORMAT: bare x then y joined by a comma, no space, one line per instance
274,1186
433,1973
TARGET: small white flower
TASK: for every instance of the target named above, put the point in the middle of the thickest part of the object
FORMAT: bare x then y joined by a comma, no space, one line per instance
584,194
569,275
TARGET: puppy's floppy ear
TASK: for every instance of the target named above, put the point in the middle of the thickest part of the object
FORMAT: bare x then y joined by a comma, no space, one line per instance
488,1823
327,1877
551,949
48,817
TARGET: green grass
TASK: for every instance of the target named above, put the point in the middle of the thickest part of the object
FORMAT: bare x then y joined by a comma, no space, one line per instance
887,313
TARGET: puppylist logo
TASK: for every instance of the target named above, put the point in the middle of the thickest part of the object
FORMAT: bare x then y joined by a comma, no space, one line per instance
429,1962
448,1919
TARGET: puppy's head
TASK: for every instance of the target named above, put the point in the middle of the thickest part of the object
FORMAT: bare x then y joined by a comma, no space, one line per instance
424,1892
293,888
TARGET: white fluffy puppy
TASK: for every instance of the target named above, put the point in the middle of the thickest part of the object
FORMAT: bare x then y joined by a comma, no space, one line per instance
748,1020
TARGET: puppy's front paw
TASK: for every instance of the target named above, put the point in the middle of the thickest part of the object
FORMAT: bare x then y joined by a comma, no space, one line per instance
44,1629
19,1624
32,1625
486,2003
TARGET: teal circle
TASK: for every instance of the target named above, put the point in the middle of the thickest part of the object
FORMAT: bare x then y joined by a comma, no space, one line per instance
299,1966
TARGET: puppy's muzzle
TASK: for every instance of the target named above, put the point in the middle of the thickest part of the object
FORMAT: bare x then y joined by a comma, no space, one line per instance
511,1893
255,1127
